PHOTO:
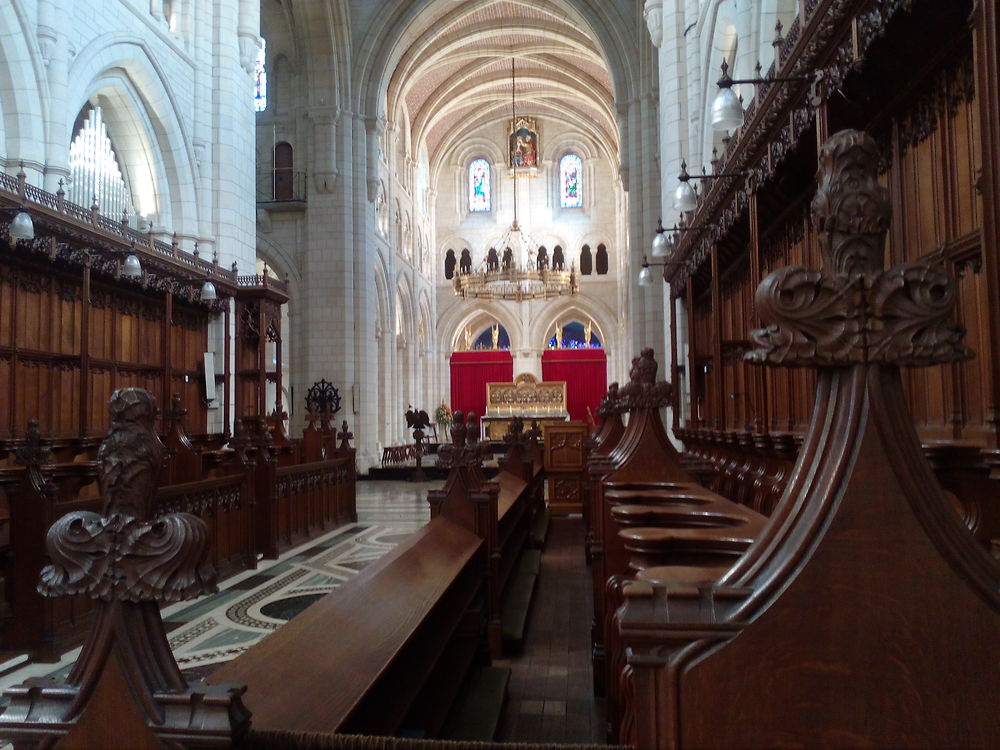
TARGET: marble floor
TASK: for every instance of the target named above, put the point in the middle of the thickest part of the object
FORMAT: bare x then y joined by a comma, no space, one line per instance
216,628
549,697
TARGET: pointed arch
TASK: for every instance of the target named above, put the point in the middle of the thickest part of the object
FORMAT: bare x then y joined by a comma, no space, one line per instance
141,107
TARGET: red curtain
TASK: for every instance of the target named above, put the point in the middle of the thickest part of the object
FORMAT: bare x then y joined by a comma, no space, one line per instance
471,371
586,374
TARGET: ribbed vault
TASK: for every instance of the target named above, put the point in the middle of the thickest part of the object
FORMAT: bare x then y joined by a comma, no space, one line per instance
454,78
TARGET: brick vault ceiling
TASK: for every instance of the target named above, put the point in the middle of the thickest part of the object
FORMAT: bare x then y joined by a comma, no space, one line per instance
455,77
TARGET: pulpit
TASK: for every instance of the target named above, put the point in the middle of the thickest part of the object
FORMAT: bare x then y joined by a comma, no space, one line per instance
527,398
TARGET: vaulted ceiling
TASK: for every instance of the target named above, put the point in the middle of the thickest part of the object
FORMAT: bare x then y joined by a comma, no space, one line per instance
455,76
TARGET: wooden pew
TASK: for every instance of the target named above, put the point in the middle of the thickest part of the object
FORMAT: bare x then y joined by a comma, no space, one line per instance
384,653
401,626
866,614
408,627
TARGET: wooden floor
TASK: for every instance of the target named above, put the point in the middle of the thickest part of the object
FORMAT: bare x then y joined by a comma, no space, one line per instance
550,696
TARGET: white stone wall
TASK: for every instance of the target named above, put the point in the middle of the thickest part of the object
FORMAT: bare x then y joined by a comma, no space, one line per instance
600,221
175,88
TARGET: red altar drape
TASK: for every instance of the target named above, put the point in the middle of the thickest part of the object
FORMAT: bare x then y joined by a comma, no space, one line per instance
586,374
471,371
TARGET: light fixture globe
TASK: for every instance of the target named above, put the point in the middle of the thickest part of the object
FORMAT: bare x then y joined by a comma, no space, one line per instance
727,111
22,227
208,293
660,245
685,199
645,275
132,268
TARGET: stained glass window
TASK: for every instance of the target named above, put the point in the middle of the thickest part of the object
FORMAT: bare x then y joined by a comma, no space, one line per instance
260,90
571,181
479,186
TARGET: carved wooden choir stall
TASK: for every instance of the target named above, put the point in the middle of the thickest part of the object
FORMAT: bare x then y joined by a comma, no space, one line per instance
816,568
410,628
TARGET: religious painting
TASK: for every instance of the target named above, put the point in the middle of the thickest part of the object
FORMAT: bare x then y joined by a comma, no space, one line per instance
524,143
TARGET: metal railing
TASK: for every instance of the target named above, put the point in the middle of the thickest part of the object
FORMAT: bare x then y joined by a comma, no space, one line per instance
279,185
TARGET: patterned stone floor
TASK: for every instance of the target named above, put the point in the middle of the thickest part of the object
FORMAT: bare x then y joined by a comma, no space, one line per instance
217,628
549,696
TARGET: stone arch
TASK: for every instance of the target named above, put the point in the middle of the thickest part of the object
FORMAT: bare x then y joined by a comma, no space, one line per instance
451,325
22,88
135,91
384,45
575,308
405,308
719,29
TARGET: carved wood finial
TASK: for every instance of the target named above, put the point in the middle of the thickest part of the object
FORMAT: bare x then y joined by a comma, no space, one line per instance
129,560
515,431
176,412
852,311
609,402
465,449
33,454
643,391
128,554
345,436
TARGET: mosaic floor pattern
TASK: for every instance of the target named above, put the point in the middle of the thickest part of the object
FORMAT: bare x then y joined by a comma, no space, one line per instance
217,628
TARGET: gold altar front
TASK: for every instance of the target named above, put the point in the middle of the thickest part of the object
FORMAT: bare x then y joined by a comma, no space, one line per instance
526,398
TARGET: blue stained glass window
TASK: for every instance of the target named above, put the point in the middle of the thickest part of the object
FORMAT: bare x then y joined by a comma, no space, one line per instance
260,89
479,186
571,181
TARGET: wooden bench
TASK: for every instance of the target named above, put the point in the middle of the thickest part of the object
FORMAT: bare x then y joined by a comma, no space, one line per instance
395,644
385,652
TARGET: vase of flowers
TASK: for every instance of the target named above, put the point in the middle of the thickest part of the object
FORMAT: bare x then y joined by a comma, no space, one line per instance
443,416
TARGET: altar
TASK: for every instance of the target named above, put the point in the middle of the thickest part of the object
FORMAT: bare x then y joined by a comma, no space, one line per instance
526,398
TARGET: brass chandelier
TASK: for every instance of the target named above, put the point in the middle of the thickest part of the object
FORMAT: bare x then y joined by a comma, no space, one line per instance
518,277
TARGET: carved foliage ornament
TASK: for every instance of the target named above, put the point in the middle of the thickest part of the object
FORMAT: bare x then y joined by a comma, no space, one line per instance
465,448
642,391
127,554
852,311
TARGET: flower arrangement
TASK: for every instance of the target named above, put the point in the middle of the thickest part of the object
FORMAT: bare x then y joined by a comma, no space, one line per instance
443,415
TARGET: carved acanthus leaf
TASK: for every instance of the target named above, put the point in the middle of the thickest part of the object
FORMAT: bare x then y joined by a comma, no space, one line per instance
127,554
853,311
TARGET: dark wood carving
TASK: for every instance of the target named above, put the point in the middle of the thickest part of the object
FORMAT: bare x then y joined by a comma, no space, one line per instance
323,397
130,561
865,576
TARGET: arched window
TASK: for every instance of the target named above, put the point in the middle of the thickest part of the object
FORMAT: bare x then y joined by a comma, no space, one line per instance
601,261
571,181
449,264
558,263
95,173
480,193
586,261
485,339
260,89
575,335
